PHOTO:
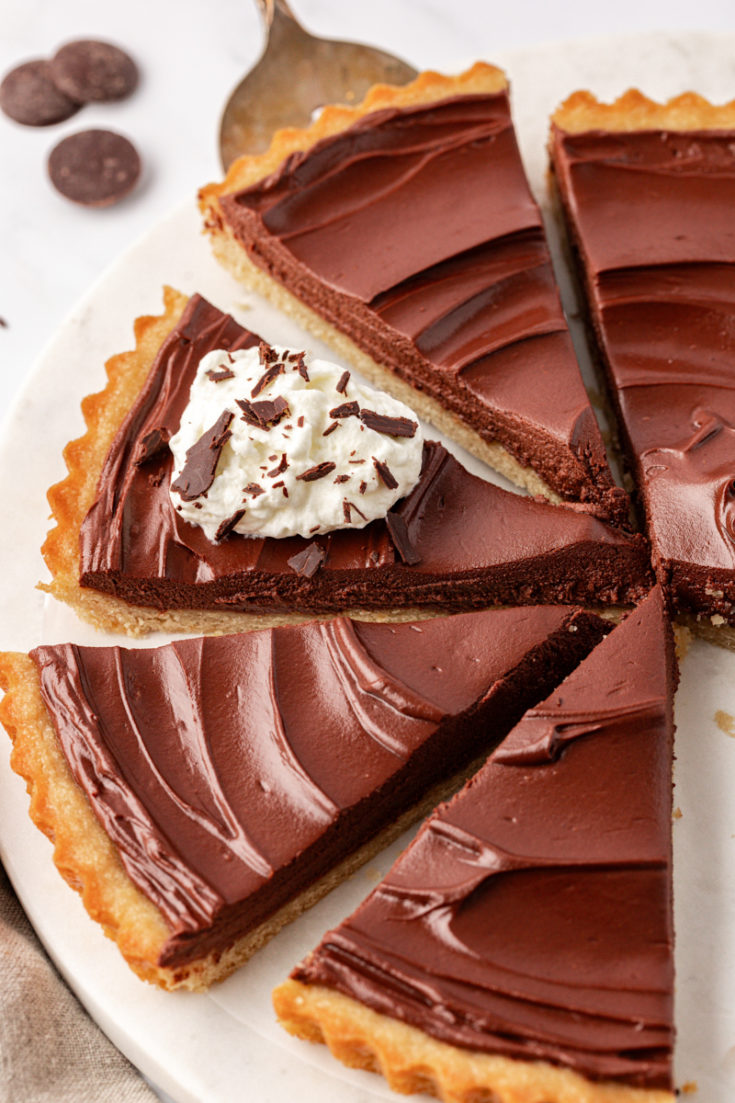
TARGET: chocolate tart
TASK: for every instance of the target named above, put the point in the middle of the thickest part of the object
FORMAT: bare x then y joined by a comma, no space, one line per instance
204,793
520,949
403,231
648,195
124,559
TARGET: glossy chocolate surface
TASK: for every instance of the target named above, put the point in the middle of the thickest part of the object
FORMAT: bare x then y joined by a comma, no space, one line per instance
231,772
652,218
476,544
531,917
416,234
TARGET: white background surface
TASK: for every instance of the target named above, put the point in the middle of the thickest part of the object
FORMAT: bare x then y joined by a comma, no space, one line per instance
191,54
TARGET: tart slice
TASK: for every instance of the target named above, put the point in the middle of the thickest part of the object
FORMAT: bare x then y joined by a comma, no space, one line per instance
403,231
648,194
520,950
204,793
124,558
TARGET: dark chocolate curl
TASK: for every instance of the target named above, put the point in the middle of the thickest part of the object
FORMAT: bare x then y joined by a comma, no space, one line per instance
227,526
390,426
398,530
219,375
197,474
385,474
264,414
347,409
317,472
151,445
307,562
266,379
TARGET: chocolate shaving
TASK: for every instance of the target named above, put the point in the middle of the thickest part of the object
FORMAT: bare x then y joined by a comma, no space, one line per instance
347,409
390,426
300,422
197,474
385,474
266,353
218,375
282,466
266,379
152,444
227,526
343,381
307,562
253,488
347,507
264,414
398,530
330,428
301,367
342,479
317,472
363,487
279,483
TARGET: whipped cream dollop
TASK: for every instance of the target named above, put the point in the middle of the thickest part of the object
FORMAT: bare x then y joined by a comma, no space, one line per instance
276,443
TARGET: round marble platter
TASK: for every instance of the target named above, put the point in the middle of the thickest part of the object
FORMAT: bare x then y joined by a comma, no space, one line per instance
226,1045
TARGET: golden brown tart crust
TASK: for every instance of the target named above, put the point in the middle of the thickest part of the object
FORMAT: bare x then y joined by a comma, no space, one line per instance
412,1061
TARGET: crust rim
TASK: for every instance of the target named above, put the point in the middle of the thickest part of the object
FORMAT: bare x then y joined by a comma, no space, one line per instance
413,1061
635,111
83,853
428,86
71,498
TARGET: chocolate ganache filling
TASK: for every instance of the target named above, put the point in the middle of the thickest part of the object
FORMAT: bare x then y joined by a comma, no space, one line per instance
531,916
231,772
651,216
415,233
458,541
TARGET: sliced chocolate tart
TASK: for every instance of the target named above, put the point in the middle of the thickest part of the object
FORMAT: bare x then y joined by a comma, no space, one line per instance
648,195
404,232
204,793
123,557
521,948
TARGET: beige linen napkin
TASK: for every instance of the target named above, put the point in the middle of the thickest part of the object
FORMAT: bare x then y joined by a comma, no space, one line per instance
50,1050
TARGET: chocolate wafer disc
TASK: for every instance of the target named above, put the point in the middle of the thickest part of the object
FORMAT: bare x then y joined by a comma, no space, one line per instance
94,167
93,72
28,95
